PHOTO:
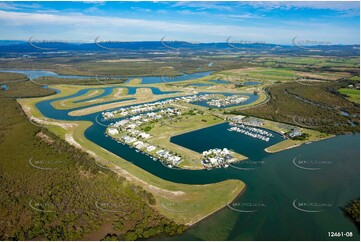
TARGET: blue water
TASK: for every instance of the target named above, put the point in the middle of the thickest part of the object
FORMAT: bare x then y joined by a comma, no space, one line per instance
33,74
106,92
251,98
220,81
252,83
276,183
109,90
4,87
201,84
183,77
243,144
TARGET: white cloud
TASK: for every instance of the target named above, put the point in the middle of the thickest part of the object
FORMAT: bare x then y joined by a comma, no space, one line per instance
92,10
204,5
18,6
17,25
331,5
7,6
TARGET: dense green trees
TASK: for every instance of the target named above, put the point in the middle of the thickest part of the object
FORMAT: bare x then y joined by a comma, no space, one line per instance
76,199
352,209
316,107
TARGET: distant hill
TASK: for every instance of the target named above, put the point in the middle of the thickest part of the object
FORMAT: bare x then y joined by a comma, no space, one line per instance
33,47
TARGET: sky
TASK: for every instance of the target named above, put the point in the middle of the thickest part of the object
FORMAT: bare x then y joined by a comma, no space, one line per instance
195,22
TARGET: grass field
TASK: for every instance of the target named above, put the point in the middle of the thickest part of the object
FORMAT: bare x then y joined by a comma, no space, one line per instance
117,94
318,107
184,124
83,180
352,94
162,190
289,143
69,187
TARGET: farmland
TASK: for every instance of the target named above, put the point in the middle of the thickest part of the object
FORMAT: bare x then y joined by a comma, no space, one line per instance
282,105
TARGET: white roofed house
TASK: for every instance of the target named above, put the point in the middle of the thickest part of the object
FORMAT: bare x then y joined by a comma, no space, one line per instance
131,126
144,135
213,161
295,132
113,131
139,144
108,115
151,148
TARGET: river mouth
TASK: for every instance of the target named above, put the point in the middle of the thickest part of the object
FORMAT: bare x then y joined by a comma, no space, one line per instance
34,74
284,202
274,184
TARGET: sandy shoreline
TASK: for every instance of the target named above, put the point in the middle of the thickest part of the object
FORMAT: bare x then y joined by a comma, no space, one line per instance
208,216
153,188
296,145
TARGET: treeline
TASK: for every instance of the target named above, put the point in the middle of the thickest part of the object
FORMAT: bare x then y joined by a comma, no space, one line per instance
53,191
352,210
316,107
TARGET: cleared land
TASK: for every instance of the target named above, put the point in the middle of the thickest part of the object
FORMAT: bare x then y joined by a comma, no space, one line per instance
186,204
184,124
352,94
162,190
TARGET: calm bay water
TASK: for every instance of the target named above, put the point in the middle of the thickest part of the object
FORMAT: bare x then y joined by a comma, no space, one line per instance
266,210
277,184
33,74
252,83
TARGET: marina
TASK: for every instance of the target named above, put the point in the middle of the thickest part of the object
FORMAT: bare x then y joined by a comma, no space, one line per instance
219,136
256,133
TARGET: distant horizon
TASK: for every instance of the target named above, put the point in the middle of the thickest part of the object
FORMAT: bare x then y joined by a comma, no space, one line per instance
177,41
204,22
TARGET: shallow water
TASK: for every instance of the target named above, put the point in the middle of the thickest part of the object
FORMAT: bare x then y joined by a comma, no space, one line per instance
33,74
252,83
274,185
4,87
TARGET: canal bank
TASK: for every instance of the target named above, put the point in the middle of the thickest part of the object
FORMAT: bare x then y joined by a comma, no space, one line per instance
274,185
